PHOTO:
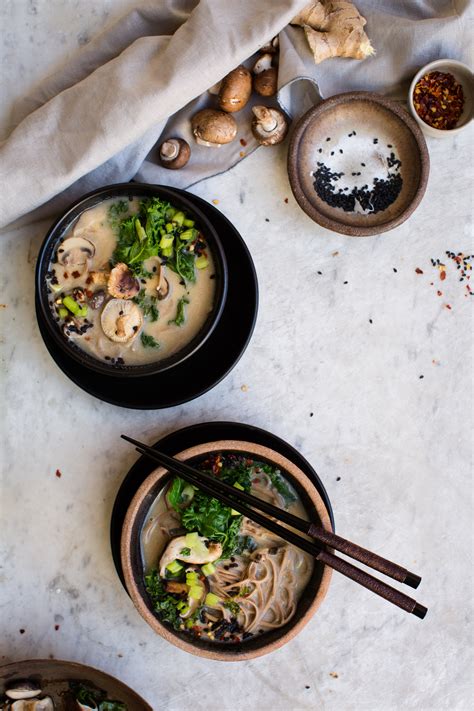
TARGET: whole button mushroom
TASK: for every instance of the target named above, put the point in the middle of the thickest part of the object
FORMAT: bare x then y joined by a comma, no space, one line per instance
269,126
235,90
213,128
265,80
174,153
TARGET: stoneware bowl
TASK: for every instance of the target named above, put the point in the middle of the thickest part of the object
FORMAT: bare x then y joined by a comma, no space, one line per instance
70,216
358,134
54,677
464,76
132,563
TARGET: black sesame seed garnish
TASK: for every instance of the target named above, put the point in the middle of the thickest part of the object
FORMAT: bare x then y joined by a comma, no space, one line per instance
328,139
340,150
332,153
363,165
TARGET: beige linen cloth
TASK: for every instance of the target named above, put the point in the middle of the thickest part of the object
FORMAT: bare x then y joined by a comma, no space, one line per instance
99,119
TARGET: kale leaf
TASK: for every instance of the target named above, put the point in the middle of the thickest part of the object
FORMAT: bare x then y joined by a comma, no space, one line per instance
147,304
116,212
180,317
207,515
163,603
148,341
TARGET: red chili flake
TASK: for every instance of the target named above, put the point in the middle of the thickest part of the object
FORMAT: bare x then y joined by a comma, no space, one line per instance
58,473
448,306
76,274
89,280
439,100
286,200
440,293
66,275
418,270
56,627
243,142
89,293
442,275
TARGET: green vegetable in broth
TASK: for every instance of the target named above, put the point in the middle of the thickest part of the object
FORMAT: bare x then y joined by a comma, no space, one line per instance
180,317
148,341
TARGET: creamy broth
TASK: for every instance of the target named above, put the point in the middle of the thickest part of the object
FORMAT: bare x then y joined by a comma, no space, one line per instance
265,581
95,226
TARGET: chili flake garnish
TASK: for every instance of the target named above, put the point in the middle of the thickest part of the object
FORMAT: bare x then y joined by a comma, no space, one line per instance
439,100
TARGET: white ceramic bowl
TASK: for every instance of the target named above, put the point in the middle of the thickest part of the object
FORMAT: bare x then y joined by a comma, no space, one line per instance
464,76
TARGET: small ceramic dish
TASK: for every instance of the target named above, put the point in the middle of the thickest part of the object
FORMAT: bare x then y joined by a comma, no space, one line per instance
127,191
133,565
464,76
358,164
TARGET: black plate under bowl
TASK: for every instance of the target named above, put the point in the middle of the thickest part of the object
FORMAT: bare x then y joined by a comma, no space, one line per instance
209,365
191,436
60,229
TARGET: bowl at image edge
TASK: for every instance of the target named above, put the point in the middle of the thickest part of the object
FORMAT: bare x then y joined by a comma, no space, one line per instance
464,76
58,232
133,570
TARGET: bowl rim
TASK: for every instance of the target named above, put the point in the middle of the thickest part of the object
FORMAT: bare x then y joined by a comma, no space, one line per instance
82,204
127,531
431,130
293,171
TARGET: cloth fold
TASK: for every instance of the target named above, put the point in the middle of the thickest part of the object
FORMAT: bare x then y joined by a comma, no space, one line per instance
99,119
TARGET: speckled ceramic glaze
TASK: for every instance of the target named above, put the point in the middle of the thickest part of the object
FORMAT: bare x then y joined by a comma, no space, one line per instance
374,118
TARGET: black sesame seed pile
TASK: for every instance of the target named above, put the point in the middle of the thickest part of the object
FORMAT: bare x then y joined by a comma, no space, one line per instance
375,195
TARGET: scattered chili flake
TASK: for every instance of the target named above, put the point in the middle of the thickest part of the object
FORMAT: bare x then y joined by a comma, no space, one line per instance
439,100
76,274
448,306
418,270
58,473
56,627
286,200
334,254
334,675
440,293
243,142
442,274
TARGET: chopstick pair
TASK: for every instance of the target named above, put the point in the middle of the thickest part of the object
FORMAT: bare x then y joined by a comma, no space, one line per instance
238,500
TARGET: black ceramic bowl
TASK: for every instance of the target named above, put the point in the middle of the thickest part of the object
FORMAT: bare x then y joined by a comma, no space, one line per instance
57,233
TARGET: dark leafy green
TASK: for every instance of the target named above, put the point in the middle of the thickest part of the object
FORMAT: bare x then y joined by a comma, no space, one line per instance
163,603
207,515
148,341
185,551
95,697
233,606
180,317
116,213
148,305
139,238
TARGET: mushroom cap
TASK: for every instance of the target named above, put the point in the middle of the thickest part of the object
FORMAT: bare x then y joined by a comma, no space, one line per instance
266,83
76,252
174,153
213,127
235,90
122,284
121,320
23,690
204,554
269,126
263,63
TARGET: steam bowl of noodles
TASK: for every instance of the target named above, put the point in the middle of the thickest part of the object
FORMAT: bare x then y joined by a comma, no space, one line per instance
206,578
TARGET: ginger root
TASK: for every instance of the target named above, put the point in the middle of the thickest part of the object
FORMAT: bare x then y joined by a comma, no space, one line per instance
334,28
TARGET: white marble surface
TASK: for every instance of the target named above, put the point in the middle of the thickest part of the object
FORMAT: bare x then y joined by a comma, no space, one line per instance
393,448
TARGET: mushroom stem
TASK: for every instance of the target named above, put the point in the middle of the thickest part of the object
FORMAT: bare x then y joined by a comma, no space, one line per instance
265,119
169,149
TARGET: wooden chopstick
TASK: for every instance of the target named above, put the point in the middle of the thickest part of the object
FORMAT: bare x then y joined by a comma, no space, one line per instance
319,553
362,555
